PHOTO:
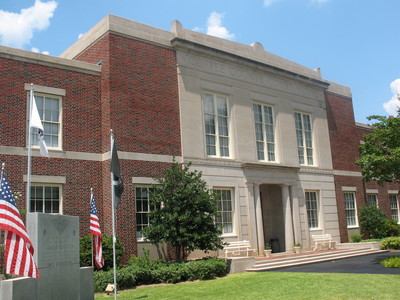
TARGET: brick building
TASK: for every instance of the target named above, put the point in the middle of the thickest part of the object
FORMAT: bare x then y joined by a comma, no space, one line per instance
352,191
274,138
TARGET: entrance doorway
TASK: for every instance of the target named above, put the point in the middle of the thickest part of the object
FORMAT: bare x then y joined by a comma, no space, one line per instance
273,216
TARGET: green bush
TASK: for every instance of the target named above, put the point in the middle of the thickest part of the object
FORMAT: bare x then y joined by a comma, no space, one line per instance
391,243
142,270
125,279
355,238
373,222
86,251
392,228
391,262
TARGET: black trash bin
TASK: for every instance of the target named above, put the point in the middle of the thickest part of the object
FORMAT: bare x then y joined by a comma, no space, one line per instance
275,246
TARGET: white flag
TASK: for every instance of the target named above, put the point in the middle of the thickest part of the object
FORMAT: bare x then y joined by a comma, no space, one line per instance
35,122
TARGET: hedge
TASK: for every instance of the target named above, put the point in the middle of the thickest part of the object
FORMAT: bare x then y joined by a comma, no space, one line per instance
141,271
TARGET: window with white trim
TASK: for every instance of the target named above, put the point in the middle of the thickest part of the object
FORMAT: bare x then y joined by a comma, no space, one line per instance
265,132
49,108
394,207
312,207
143,208
216,120
351,209
225,209
372,200
304,138
46,198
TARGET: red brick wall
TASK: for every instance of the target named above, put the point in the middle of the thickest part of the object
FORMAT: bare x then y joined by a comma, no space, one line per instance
140,103
345,139
342,132
80,131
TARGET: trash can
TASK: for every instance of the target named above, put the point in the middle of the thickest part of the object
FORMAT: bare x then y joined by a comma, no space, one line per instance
275,246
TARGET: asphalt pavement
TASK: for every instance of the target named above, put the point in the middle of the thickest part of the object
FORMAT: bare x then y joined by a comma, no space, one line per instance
365,264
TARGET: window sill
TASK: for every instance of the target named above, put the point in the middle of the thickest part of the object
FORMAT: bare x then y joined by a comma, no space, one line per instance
353,227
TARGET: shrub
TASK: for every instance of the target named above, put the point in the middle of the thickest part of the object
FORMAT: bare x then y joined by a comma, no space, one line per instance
391,243
391,262
206,269
86,251
125,279
392,228
143,270
355,238
373,221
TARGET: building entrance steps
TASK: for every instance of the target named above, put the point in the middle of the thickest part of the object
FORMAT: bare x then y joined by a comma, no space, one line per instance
282,260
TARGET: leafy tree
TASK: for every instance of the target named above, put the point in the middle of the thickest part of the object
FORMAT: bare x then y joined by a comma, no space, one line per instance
380,154
185,212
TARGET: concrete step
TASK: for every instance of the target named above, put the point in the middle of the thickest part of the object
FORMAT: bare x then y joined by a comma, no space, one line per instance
308,258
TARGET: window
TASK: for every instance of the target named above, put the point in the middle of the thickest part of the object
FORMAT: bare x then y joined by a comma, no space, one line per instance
216,125
372,200
304,139
312,209
394,207
351,209
46,198
265,132
225,209
49,108
143,208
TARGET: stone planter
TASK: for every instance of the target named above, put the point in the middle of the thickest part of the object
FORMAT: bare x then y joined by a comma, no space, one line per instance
297,249
267,252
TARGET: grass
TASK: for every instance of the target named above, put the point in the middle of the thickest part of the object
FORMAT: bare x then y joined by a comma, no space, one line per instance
274,285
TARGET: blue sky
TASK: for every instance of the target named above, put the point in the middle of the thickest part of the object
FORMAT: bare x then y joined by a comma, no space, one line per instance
355,42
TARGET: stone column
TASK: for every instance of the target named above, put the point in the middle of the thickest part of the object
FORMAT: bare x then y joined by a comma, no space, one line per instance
287,214
251,211
296,215
259,216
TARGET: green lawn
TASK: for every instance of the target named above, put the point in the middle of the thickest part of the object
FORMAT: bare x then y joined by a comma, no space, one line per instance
274,285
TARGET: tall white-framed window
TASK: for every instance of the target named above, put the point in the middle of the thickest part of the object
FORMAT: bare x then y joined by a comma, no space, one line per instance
312,206
394,207
49,108
351,209
46,198
143,208
216,122
225,209
304,138
372,200
265,132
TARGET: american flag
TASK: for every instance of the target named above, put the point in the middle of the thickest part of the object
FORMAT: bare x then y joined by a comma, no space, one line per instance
95,230
18,254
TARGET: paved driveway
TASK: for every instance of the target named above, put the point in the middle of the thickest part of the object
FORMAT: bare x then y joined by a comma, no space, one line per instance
367,264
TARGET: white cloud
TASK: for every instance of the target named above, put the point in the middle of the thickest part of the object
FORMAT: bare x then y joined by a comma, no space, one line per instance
392,105
215,28
270,2
80,35
36,50
16,30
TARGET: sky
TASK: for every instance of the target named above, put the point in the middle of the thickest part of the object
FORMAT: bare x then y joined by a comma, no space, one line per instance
356,43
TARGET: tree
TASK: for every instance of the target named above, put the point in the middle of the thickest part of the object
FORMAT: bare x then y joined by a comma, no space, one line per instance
184,212
380,154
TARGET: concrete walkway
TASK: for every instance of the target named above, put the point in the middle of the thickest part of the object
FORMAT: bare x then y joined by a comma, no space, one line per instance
366,264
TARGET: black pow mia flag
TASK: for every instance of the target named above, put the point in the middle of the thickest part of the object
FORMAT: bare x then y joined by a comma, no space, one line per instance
116,175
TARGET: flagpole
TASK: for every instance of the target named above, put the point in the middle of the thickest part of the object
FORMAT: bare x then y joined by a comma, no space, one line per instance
113,217
91,240
28,192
